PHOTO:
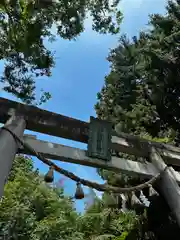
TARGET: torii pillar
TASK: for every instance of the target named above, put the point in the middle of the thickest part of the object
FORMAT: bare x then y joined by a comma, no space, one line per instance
9,147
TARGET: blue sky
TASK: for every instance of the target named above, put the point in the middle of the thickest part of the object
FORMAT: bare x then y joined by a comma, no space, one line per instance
79,73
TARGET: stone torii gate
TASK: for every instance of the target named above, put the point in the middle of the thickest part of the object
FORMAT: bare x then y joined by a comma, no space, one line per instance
100,138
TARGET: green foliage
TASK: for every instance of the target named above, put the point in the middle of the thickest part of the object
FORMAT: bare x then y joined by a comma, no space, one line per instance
21,164
104,223
24,25
141,95
122,237
30,209
142,88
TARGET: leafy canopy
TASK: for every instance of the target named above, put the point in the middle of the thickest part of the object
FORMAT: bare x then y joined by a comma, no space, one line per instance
30,209
141,97
24,25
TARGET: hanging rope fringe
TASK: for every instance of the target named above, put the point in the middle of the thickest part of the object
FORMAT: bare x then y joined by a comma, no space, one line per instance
99,187
152,191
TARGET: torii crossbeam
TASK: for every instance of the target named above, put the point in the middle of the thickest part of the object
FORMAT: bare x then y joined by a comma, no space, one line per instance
19,117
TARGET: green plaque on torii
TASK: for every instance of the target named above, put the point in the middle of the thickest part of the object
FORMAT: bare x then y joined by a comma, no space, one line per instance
99,143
